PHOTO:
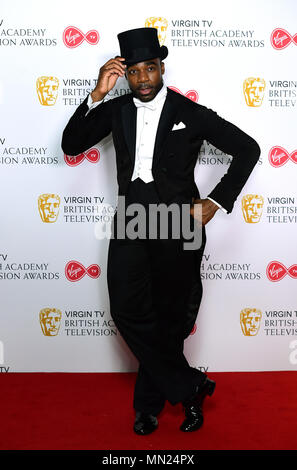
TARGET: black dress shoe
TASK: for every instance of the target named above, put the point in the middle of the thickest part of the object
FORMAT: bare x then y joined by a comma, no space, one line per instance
193,406
145,423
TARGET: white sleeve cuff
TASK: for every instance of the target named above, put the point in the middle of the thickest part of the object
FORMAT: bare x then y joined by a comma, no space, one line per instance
223,209
92,104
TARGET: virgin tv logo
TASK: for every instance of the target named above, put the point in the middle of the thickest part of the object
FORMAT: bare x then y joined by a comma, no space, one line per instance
194,329
276,271
278,156
75,271
191,94
92,155
74,37
280,38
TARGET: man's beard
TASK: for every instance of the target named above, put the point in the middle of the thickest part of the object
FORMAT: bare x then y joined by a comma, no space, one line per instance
146,98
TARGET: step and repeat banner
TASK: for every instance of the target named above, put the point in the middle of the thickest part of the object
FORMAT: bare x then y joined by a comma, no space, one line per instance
236,58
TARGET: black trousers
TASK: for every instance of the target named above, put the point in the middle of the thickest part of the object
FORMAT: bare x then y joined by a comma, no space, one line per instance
149,284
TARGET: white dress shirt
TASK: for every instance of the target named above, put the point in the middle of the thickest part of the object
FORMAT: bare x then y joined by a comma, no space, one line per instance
148,116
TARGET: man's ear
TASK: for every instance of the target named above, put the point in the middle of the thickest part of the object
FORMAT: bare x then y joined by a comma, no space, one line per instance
162,68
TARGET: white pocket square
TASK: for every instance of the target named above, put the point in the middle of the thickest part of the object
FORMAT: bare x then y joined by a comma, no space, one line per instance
178,126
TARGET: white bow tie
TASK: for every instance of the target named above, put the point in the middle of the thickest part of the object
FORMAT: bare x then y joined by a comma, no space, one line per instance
140,104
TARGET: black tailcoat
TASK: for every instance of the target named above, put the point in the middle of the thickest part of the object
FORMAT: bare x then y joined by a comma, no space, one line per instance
175,152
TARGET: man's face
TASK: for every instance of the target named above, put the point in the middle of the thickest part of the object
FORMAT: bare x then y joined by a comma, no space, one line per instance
145,78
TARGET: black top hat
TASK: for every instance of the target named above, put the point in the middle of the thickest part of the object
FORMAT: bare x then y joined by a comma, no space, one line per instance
138,45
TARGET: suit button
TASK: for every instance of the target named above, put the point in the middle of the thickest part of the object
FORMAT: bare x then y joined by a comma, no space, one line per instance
164,169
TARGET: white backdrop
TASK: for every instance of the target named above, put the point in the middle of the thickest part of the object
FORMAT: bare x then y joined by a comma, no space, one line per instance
213,47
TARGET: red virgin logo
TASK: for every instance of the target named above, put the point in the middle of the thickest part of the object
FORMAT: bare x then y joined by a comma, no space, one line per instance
278,156
193,331
280,38
92,155
276,271
73,37
191,94
74,271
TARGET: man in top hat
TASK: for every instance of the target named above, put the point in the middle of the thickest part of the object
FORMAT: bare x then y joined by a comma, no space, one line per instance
154,283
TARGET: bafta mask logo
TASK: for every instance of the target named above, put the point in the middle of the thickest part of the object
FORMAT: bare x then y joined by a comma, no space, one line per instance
252,207
250,319
47,90
253,89
160,24
50,320
48,206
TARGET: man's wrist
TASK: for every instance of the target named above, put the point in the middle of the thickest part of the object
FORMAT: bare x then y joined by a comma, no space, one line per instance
97,96
217,204
92,104
213,204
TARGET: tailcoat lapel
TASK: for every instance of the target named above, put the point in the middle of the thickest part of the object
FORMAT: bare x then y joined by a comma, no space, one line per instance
167,119
129,126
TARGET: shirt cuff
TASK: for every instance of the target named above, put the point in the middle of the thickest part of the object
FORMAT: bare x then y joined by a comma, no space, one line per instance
92,104
223,209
